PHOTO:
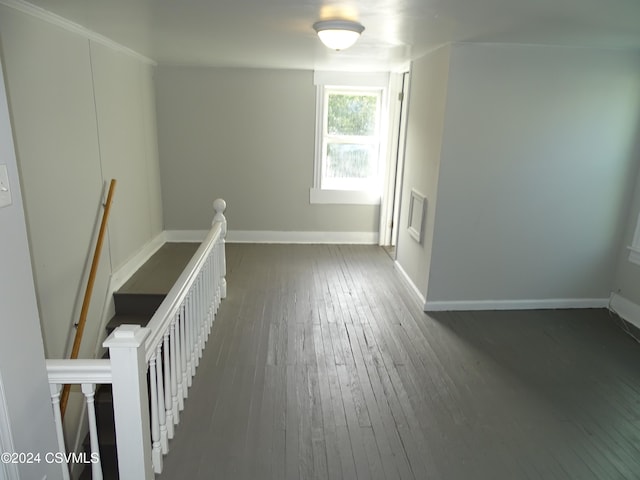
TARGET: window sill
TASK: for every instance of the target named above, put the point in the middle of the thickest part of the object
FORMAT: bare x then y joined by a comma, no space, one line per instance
634,255
343,197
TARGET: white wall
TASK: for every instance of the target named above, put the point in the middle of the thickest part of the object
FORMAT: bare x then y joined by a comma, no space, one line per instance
125,109
22,368
82,114
537,170
425,123
246,135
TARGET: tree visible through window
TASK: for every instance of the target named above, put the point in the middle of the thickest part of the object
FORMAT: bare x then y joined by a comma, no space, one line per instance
349,162
351,139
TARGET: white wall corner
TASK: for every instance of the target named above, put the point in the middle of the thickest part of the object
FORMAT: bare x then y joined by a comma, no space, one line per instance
412,286
625,309
525,304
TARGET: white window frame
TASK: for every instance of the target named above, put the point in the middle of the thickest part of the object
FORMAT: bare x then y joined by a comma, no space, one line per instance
352,82
634,248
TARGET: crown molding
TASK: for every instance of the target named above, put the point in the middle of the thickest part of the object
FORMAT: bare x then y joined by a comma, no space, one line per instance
53,19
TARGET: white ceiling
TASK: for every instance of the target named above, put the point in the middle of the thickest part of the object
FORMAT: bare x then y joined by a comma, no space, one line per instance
278,33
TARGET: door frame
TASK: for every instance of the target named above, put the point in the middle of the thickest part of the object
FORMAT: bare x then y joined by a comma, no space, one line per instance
392,191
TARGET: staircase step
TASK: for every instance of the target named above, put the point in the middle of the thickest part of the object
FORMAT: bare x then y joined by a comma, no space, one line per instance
128,319
161,271
143,293
137,303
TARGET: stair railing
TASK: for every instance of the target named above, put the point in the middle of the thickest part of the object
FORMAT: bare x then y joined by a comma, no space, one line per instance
166,353
179,330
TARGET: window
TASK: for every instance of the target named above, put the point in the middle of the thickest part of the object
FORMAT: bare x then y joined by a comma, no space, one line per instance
350,138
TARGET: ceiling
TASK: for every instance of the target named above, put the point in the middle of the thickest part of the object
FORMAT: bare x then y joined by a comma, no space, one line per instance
278,33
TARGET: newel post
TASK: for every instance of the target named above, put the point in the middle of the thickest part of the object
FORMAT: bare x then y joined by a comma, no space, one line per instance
219,205
131,401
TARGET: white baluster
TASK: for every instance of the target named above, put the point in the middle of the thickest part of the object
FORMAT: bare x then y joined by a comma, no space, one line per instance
162,413
206,301
188,325
210,292
206,304
196,321
193,334
175,369
89,390
184,384
177,339
218,269
216,278
201,315
168,398
155,423
219,205
55,402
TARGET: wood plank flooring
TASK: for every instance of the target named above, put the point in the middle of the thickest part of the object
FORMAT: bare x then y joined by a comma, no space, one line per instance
322,365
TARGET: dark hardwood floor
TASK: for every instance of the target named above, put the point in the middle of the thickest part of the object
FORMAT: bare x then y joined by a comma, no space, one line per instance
322,365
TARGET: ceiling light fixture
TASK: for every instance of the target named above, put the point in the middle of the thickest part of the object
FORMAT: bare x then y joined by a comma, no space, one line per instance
338,34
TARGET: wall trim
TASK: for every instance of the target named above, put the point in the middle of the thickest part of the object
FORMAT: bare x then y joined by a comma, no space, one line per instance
131,266
625,309
268,236
412,286
57,20
525,304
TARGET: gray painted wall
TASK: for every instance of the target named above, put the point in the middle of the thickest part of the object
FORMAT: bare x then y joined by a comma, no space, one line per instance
537,171
246,135
22,369
425,123
82,114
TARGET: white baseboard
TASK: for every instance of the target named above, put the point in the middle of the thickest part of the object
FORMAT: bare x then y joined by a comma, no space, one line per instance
131,266
537,304
265,236
268,236
626,309
412,286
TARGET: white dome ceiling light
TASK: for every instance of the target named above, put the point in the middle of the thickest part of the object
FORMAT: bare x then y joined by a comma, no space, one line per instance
338,34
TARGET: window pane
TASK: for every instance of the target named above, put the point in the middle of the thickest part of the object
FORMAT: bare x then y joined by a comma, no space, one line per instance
351,161
352,114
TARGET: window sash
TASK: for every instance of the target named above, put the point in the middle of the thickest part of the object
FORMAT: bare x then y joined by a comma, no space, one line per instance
350,183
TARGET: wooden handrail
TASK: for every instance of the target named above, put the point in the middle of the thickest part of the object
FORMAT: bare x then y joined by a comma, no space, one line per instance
88,291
